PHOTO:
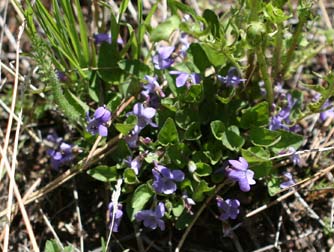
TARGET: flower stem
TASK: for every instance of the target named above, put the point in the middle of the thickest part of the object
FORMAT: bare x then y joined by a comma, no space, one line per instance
265,75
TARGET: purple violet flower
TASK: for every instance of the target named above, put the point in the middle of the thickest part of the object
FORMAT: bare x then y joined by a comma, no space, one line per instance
118,216
98,124
164,179
163,59
231,80
184,44
134,164
105,37
132,139
60,156
144,116
152,87
278,120
228,208
184,78
295,158
152,218
61,76
329,112
239,172
289,181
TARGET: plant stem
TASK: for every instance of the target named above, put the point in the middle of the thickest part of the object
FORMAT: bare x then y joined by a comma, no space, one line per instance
265,75
276,63
294,42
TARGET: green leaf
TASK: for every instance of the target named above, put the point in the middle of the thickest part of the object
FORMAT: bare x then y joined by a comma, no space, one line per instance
134,67
213,151
151,157
203,169
130,176
256,116
184,220
264,137
168,133
232,139
199,57
274,14
192,94
121,152
178,154
108,68
165,29
218,129
193,132
104,173
80,106
141,196
288,139
216,57
127,126
178,207
52,246
213,22
199,189
273,185
258,160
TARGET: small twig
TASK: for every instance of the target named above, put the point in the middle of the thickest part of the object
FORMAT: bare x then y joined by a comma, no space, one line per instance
278,232
48,224
312,213
138,236
332,215
14,95
20,202
114,199
302,152
11,185
77,208
304,183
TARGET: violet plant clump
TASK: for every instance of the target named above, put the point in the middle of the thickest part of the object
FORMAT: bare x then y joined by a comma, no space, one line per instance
172,110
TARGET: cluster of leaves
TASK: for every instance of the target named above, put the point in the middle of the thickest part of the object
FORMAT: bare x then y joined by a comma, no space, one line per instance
199,124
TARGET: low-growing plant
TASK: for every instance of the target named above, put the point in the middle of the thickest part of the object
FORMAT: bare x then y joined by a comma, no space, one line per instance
183,112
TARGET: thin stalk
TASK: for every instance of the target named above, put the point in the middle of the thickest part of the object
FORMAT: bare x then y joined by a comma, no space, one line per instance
277,59
265,75
294,43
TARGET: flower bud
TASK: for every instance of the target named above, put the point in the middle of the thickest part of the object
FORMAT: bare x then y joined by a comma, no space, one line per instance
255,32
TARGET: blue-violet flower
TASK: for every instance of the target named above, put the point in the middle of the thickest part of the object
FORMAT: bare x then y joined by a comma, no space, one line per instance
118,216
184,78
164,179
289,181
238,171
152,219
98,124
228,208
231,80
163,59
